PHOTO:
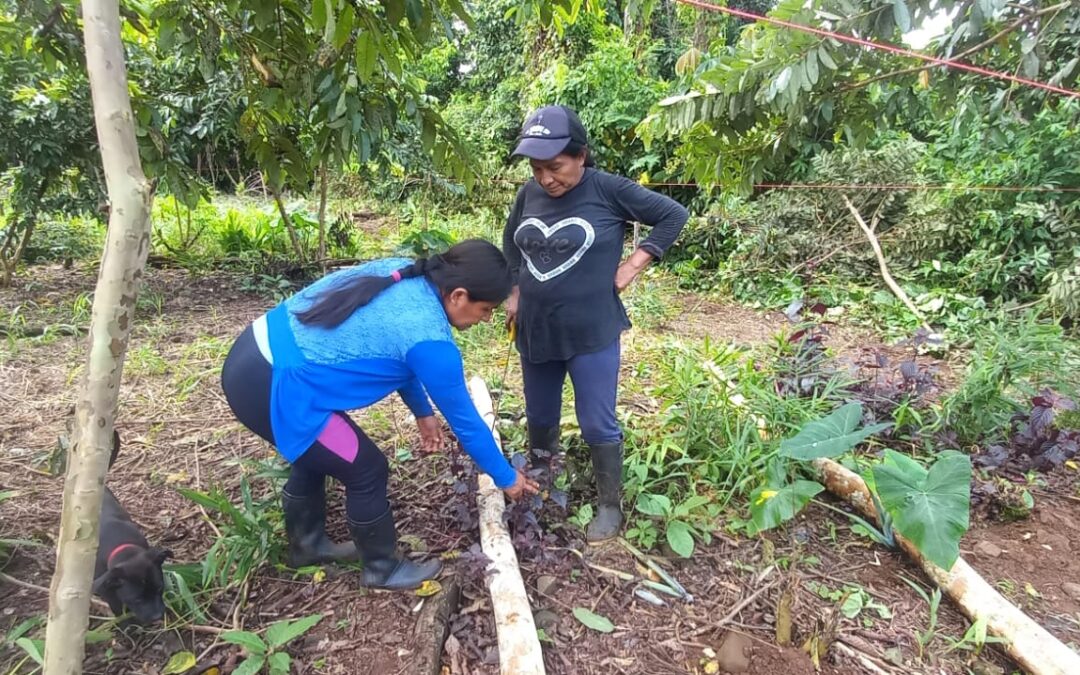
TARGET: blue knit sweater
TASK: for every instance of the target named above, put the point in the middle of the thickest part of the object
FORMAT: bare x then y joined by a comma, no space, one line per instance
400,341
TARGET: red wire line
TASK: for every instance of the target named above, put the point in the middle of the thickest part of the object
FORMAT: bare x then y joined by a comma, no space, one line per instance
859,186
882,46
902,186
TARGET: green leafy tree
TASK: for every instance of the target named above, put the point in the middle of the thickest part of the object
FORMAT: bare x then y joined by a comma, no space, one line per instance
324,82
48,159
753,106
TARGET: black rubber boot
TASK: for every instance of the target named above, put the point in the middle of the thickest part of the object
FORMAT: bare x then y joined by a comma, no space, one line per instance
543,447
607,459
305,526
383,567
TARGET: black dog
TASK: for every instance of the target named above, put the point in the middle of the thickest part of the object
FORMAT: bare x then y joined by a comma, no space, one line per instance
127,574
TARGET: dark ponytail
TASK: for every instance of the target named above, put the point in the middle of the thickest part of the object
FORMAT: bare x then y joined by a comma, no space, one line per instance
476,265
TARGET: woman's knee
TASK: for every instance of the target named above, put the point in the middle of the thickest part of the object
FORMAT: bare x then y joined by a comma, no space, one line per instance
600,433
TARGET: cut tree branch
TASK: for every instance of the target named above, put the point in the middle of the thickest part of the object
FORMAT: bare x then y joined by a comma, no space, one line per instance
868,230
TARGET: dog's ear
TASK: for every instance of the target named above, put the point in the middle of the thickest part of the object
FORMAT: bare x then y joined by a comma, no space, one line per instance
160,555
106,582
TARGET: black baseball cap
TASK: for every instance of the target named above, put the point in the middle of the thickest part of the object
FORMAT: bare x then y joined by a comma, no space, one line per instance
548,131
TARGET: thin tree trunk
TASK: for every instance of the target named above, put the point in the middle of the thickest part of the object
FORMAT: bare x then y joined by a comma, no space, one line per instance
11,262
126,248
297,248
322,215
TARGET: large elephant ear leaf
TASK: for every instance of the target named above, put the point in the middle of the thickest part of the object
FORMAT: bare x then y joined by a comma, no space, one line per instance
830,436
928,507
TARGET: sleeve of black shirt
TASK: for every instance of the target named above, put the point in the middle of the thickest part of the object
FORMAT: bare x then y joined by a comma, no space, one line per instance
635,203
510,249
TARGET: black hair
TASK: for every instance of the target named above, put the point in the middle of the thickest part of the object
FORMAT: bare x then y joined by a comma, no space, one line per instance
476,265
574,149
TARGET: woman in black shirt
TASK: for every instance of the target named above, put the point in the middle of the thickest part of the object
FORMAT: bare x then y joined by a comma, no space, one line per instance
564,241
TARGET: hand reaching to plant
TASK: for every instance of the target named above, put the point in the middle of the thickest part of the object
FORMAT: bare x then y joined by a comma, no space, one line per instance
522,487
431,435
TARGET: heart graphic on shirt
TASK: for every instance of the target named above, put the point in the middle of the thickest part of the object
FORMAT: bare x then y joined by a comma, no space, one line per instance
547,253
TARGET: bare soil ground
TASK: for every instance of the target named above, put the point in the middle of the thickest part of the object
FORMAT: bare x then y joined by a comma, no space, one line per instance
178,432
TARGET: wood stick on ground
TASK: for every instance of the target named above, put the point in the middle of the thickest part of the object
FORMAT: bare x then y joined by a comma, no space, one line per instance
743,604
8,579
519,647
889,281
1026,642
432,627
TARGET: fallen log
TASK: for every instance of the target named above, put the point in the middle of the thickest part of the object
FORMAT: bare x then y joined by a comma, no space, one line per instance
519,646
1026,642
433,625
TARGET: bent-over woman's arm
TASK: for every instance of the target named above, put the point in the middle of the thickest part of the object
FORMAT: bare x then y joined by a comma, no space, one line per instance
437,364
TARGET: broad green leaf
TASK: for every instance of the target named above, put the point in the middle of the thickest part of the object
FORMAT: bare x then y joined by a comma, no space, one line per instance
812,68
343,31
395,11
830,436
904,463
249,641
318,14
34,648
680,539
366,55
282,632
770,506
23,628
783,78
179,663
593,620
901,15
427,136
690,504
826,60
414,10
331,24
653,505
393,63
279,663
930,509
251,666
853,605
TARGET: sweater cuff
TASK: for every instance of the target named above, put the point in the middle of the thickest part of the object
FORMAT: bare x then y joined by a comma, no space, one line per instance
655,251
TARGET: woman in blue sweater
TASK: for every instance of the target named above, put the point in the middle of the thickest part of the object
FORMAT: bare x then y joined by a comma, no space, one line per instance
346,342
564,240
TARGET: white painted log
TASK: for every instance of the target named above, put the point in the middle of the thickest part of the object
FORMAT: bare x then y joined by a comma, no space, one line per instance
519,646
1029,644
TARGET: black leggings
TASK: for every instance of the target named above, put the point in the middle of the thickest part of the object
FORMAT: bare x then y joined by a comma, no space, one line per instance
343,450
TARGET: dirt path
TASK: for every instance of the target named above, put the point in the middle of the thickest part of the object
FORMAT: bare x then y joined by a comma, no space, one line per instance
178,434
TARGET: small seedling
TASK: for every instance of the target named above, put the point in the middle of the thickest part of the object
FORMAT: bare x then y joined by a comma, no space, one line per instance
933,600
267,651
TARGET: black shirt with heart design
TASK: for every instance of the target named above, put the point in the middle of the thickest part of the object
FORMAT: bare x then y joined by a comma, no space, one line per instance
563,253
